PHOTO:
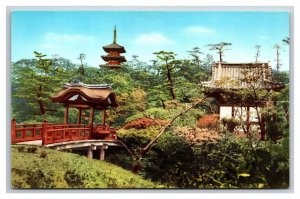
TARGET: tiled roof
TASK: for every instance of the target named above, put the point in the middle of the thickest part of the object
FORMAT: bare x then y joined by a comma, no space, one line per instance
97,94
114,46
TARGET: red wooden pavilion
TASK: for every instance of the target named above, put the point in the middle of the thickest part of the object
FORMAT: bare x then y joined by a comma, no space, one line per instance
83,97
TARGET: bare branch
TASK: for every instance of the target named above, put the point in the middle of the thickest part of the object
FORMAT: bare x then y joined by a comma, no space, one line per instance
149,145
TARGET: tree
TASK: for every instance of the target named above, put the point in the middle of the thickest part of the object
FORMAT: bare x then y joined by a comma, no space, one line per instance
207,63
286,40
169,64
258,93
34,83
220,48
257,47
81,57
278,61
136,64
195,54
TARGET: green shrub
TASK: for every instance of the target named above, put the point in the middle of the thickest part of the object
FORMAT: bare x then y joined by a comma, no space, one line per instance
67,170
230,124
155,113
169,156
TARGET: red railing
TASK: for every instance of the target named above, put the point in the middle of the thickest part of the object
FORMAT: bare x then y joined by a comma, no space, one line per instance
54,133
25,132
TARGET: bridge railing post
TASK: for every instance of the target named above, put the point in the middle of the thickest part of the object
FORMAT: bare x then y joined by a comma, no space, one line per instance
44,132
13,131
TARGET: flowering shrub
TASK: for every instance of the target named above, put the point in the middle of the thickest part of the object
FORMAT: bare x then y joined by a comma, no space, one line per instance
143,123
197,135
208,121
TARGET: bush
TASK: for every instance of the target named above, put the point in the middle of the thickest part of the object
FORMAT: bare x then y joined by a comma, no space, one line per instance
155,113
197,135
169,156
230,124
143,123
136,138
67,170
188,119
209,121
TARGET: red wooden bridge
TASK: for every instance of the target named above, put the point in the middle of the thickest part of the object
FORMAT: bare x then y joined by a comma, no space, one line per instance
56,133
88,136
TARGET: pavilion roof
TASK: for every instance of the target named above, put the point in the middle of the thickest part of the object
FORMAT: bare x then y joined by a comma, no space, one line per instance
97,95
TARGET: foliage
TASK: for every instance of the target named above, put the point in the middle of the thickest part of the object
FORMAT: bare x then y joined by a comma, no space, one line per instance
277,125
228,163
168,155
33,82
208,121
184,157
220,48
230,123
143,123
147,134
67,170
155,113
197,135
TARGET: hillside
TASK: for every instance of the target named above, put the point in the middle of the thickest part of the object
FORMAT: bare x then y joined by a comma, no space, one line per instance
38,167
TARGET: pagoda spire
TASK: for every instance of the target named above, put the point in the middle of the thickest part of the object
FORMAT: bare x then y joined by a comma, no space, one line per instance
115,35
113,58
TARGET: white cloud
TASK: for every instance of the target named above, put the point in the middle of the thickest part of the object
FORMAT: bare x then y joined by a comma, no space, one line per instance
153,39
74,38
59,42
198,30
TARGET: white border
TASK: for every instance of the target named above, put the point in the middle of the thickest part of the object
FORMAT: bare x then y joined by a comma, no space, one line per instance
133,4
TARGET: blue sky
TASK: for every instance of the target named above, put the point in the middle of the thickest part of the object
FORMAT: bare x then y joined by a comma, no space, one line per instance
69,33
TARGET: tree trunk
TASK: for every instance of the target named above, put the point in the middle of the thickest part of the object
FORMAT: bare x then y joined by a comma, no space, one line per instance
163,104
261,123
41,104
170,80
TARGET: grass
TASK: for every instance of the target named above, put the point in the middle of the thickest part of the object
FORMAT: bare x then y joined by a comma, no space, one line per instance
39,167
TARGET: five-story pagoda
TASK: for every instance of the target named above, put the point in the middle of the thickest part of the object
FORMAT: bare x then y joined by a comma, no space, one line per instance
113,58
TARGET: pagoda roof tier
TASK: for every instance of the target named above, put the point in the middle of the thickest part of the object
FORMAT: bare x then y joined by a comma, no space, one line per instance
114,47
112,58
93,95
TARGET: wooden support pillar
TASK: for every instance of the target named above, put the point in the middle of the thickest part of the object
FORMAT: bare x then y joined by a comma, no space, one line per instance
103,118
66,115
44,132
91,116
102,152
90,151
79,116
13,131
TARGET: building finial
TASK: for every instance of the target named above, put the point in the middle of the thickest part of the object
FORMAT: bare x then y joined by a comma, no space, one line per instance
115,34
